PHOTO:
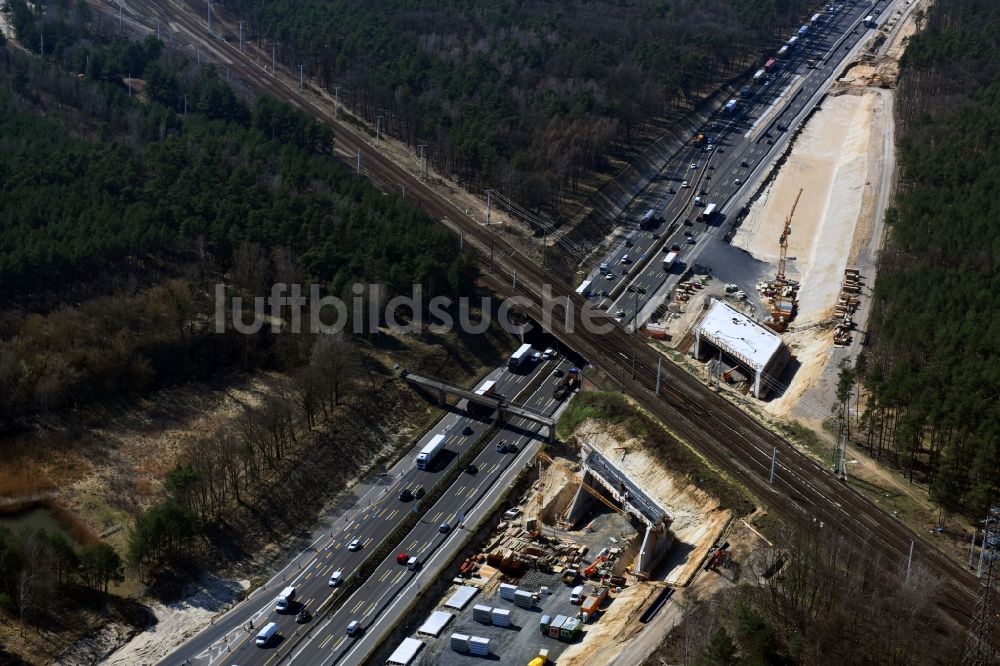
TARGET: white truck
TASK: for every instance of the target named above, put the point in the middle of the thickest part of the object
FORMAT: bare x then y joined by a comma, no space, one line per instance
731,106
706,214
284,599
668,261
430,451
518,358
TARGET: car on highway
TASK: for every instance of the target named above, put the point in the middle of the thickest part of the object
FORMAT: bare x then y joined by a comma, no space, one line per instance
303,616
467,430
402,558
744,163
471,469
687,232
336,578
625,259
691,240
444,528
685,184
675,248
419,492
619,314
504,447
549,353
738,181
694,165
354,628
711,167
405,495
354,545
536,356
628,242
687,223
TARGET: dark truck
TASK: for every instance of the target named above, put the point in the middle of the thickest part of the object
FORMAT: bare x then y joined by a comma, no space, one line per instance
565,385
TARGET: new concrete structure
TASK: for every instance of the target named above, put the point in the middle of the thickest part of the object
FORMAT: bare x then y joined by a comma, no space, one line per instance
756,348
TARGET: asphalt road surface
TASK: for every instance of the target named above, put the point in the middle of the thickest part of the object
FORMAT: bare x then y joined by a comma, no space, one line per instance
231,638
742,144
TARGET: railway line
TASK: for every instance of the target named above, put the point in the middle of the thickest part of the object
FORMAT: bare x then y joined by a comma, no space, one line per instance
803,492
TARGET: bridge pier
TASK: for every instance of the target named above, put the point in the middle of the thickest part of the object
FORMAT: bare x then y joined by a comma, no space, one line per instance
655,544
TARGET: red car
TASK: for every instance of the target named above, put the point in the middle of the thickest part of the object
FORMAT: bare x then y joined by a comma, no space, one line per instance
402,558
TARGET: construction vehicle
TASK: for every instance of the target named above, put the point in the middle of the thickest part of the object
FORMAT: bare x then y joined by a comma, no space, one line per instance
783,307
716,557
591,571
566,384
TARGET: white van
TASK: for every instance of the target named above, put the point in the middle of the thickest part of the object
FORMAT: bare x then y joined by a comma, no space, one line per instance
413,564
354,628
265,635
337,578
576,597
625,259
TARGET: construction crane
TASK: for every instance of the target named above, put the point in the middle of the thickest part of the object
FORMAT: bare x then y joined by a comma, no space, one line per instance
779,315
593,491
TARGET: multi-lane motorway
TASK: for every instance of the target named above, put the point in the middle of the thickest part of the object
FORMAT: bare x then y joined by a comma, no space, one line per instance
378,601
743,144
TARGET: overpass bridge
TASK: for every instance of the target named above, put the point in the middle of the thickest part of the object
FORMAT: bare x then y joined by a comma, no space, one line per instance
498,403
599,470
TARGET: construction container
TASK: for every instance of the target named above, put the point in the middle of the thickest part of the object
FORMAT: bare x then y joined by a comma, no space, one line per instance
556,626
507,591
544,623
524,599
569,629
501,617
482,613
460,643
479,646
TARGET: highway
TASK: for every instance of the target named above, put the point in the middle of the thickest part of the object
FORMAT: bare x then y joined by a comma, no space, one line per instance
743,145
231,638
330,645
803,494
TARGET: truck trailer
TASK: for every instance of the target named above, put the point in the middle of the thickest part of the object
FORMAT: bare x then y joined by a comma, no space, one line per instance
706,214
430,451
518,358
668,261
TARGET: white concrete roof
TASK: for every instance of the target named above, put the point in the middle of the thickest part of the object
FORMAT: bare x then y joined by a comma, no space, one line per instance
435,624
405,653
461,597
738,335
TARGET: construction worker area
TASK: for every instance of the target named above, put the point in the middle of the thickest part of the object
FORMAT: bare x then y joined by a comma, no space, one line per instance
583,560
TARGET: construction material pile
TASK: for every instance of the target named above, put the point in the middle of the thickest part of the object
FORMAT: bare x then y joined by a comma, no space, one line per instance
847,305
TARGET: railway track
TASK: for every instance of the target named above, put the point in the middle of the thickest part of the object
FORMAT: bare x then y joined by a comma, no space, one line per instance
803,492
